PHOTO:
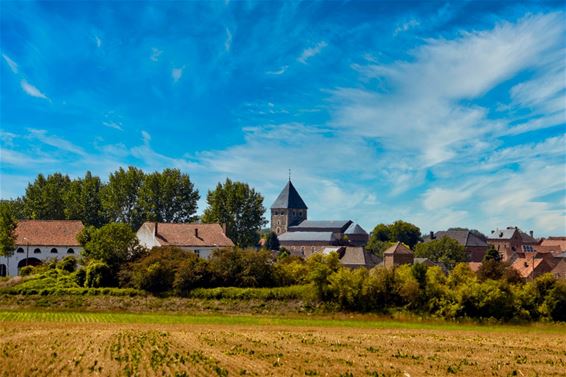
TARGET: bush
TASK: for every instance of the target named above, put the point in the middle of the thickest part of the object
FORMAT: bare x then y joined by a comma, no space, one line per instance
27,270
98,274
191,273
241,268
296,292
69,264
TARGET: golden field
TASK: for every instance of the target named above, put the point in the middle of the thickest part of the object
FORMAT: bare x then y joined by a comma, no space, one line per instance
92,344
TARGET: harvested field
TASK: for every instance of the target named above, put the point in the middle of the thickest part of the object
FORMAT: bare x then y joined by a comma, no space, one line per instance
109,344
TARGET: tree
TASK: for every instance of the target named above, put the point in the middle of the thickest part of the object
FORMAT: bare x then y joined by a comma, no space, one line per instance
240,208
44,198
445,250
120,197
82,200
15,206
169,196
272,242
400,231
114,244
7,232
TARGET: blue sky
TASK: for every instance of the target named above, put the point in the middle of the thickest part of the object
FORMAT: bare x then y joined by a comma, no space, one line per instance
439,113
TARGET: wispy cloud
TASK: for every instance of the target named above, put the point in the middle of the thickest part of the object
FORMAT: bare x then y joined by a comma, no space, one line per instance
177,73
406,26
98,41
114,125
12,64
279,71
155,54
228,41
57,142
32,90
310,52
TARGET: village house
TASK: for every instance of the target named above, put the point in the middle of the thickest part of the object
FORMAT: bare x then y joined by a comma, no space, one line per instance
474,244
352,257
41,240
557,243
202,239
304,237
397,254
511,240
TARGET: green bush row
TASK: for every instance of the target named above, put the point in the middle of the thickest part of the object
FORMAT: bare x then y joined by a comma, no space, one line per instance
295,292
73,291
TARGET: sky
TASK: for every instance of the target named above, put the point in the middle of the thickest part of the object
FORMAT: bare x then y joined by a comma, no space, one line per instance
442,114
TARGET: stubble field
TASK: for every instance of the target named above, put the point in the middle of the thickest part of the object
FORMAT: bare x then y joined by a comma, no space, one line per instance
107,344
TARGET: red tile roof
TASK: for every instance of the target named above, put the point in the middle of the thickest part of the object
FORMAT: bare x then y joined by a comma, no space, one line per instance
557,242
189,235
48,232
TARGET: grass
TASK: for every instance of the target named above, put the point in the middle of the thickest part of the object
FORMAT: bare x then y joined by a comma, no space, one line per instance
126,344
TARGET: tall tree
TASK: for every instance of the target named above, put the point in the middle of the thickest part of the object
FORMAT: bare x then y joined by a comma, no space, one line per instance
7,232
272,241
83,202
120,197
169,196
44,199
15,206
445,250
400,231
240,208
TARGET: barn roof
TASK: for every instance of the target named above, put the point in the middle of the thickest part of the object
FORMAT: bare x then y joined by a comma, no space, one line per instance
189,235
48,232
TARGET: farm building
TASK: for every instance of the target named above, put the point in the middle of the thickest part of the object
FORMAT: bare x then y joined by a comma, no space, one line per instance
40,240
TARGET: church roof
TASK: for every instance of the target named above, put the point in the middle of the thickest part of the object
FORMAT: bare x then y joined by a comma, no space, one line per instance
355,229
306,236
289,198
338,226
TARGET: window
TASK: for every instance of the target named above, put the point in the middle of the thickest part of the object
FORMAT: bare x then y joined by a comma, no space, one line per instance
54,251
300,213
20,250
70,251
3,271
294,213
37,251
278,222
302,249
278,230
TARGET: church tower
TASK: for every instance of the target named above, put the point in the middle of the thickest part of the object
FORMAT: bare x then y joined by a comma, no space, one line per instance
289,209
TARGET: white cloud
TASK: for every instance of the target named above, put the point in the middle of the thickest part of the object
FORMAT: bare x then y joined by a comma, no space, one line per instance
32,90
56,142
312,51
177,73
406,25
155,54
437,198
97,41
114,125
12,64
279,71
228,41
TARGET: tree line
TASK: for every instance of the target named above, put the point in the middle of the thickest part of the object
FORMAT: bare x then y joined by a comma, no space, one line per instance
132,196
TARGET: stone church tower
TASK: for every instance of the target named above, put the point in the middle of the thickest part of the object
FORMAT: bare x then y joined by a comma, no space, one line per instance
289,209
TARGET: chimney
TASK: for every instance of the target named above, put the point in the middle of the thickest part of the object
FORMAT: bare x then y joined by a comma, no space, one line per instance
155,229
196,232
531,233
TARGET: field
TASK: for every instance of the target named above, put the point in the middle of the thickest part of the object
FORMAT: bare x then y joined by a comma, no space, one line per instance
122,344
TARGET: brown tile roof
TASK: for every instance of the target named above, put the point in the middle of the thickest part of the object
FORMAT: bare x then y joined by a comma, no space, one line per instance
48,232
557,242
398,248
189,235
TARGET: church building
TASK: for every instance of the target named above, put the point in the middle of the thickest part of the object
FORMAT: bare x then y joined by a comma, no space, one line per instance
303,237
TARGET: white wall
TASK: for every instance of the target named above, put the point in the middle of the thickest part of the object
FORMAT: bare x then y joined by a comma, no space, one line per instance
45,254
146,237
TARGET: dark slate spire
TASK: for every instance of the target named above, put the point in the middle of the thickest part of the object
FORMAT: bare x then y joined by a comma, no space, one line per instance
289,198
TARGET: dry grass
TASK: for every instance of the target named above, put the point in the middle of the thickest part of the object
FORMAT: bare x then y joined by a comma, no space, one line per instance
143,349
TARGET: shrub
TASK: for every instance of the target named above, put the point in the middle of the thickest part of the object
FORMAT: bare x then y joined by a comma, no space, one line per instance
69,264
191,273
320,268
290,271
98,274
27,270
241,268
555,301
80,277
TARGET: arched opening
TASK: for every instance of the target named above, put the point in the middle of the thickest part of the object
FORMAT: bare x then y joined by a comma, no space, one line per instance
3,270
37,250
70,251
28,262
20,250
54,251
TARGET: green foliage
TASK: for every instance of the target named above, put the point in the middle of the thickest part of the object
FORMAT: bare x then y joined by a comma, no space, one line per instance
120,197
7,231
384,235
45,198
279,293
290,270
99,274
82,200
272,241
168,196
241,268
69,264
14,206
492,254
240,208
445,250
320,268
114,244
191,273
